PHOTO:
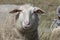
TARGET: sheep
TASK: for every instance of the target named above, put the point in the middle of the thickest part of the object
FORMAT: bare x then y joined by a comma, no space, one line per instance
55,35
20,23
56,22
55,26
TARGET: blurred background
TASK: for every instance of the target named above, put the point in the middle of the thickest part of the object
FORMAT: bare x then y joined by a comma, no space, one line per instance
45,21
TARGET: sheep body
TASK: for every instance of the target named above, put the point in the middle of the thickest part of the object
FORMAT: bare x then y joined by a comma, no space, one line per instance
55,35
56,22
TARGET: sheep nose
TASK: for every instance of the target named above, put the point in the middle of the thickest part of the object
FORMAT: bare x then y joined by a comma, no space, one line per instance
27,22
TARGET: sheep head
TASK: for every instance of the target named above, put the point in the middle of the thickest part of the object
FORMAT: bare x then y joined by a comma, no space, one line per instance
27,16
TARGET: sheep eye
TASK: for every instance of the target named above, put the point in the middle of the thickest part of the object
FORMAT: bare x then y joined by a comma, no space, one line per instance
32,14
59,11
17,16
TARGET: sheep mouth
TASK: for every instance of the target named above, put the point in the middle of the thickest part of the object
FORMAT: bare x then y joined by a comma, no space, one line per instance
27,27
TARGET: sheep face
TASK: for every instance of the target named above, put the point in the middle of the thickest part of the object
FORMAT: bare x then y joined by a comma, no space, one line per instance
26,16
58,11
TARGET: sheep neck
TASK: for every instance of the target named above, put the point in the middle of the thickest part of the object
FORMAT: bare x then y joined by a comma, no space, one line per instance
32,35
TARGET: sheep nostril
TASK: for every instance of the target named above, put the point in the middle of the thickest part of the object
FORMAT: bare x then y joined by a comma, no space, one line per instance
27,23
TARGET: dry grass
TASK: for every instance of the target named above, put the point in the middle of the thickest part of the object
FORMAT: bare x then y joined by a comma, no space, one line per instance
49,6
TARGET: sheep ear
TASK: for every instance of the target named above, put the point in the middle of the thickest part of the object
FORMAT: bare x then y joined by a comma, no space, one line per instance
15,10
38,10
